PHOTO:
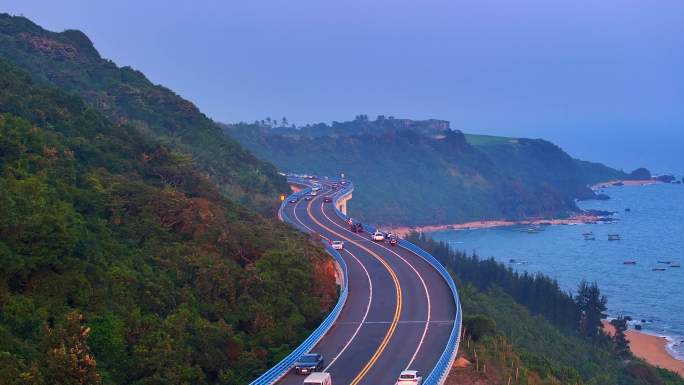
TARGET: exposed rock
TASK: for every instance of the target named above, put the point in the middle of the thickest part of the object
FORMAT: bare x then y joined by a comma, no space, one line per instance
602,197
461,363
666,178
640,174
50,47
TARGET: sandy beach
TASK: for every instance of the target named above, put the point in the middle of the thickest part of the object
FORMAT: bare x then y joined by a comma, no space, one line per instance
638,182
573,220
651,348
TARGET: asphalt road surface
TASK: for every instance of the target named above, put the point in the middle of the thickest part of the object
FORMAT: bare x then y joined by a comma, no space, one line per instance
399,313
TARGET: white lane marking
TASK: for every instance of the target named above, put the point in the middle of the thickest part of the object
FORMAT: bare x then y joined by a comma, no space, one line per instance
422,281
363,320
401,322
370,296
294,210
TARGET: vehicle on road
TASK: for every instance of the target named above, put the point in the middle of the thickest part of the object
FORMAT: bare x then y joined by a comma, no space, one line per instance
409,377
309,363
294,200
378,236
337,245
314,193
356,227
316,187
318,379
327,199
308,197
393,241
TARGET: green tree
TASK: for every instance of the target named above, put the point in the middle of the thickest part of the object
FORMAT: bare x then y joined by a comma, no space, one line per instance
620,342
592,306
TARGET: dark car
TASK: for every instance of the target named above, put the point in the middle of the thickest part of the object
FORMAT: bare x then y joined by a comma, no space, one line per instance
356,227
307,198
310,362
327,199
294,200
393,240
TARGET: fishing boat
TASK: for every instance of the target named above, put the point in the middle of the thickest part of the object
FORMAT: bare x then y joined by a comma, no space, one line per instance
534,230
658,269
629,262
614,237
589,236
665,262
675,265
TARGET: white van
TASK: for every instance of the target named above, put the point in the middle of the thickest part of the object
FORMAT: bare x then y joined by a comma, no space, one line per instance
318,378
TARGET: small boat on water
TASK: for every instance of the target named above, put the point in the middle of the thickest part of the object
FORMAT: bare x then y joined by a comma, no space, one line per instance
614,237
589,233
628,209
589,236
630,262
665,262
658,269
534,230
675,265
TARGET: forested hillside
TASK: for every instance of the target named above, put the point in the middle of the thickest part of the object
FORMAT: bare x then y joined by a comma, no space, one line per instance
556,336
121,263
422,172
69,60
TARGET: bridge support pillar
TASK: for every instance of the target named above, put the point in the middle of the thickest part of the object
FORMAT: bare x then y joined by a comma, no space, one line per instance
342,203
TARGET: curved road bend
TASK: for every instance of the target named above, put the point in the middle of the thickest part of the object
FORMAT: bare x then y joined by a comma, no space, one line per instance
399,312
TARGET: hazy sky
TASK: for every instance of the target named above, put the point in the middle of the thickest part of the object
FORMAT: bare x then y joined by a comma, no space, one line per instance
603,79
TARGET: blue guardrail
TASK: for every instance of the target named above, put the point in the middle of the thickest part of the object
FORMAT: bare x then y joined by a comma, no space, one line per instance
438,374
285,365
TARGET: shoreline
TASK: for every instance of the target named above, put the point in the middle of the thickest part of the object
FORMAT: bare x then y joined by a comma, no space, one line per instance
625,182
581,218
576,219
652,349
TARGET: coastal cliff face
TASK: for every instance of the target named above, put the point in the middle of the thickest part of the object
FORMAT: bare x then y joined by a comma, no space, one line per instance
425,173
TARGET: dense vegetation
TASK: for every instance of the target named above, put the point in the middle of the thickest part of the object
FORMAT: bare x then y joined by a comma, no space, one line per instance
120,263
528,311
69,61
425,173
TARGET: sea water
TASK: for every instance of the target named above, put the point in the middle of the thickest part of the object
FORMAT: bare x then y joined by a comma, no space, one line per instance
652,232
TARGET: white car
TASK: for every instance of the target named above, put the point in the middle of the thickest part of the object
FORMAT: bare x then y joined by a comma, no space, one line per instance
313,193
409,377
378,236
337,245
320,378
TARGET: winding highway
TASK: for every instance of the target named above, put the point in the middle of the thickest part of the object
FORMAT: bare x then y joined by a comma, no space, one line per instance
399,313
